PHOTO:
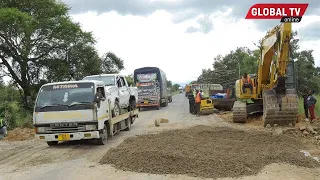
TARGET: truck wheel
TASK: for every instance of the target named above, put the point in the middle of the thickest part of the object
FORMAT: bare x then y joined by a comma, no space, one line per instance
52,143
116,110
103,136
158,107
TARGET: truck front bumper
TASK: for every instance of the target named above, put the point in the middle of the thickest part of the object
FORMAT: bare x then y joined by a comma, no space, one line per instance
71,136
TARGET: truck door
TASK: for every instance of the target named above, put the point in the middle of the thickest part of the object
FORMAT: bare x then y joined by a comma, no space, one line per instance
102,110
126,89
121,91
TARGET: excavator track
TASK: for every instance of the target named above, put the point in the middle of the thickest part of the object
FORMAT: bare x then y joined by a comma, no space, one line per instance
280,109
239,110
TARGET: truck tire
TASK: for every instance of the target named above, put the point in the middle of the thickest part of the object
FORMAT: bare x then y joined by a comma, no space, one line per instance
116,111
52,143
103,136
166,103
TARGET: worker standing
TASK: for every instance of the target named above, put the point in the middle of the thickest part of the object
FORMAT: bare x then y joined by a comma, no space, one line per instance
305,102
246,83
312,104
198,102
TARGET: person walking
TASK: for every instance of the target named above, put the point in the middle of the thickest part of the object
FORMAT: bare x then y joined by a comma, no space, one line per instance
312,104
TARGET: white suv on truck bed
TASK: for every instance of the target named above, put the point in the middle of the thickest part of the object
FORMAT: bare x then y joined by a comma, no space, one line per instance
120,95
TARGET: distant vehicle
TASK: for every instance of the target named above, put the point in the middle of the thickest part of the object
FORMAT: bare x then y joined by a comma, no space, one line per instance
180,89
152,87
121,96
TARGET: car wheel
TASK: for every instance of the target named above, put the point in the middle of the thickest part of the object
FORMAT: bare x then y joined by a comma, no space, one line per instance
116,110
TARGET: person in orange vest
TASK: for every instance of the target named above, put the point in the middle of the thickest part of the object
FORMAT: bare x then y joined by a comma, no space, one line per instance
246,83
198,101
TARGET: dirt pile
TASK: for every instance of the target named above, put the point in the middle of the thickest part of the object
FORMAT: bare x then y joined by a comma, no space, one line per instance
206,152
20,134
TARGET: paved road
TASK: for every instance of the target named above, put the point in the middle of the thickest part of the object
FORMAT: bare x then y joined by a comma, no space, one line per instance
35,160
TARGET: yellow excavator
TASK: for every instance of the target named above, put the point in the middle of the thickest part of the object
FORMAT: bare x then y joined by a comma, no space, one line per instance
270,94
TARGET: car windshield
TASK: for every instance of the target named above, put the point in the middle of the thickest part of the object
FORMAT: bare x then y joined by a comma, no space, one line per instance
65,94
107,80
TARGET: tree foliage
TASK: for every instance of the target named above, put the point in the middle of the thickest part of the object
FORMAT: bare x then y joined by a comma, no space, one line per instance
39,43
228,68
175,87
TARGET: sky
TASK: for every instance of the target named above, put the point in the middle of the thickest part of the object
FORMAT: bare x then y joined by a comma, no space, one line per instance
182,37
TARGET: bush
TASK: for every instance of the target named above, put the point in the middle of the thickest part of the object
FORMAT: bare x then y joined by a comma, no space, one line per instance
15,115
12,110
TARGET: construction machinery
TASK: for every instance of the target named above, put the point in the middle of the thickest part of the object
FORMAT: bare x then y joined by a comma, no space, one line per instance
187,90
270,94
206,106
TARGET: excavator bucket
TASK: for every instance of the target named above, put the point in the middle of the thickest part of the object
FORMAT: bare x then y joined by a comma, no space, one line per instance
280,109
206,107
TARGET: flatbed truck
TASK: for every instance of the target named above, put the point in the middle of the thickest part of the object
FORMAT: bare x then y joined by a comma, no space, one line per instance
76,110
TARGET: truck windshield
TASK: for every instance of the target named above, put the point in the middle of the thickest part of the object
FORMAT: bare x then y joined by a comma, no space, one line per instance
65,95
107,80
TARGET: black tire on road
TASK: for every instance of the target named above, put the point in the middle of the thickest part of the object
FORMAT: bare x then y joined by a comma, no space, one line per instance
52,143
103,136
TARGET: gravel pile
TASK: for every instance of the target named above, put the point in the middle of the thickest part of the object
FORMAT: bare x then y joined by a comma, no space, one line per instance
206,152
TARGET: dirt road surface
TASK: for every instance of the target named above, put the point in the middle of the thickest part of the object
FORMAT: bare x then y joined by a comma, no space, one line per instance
34,160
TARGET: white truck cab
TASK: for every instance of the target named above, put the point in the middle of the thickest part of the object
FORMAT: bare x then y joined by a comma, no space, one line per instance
117,89
76,110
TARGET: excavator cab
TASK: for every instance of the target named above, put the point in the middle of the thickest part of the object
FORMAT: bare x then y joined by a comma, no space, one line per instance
246,94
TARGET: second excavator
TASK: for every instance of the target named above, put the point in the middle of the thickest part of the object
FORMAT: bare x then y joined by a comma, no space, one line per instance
270,94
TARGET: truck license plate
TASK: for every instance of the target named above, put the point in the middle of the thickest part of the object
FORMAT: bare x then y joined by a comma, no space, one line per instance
64,137
146,102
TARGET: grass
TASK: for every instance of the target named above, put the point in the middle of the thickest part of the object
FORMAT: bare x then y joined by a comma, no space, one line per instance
317,109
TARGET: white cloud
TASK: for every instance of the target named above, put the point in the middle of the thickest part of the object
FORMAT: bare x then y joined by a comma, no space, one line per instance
156,41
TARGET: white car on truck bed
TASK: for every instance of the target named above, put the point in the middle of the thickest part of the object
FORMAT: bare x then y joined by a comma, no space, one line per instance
75,110
121,96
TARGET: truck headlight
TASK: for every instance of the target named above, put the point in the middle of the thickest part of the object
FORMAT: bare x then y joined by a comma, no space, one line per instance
91,127
40,129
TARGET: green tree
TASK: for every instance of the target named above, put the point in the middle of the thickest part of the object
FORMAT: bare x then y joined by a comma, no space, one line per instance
175,87
37,35
129,79
111,63
169,84
227,69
